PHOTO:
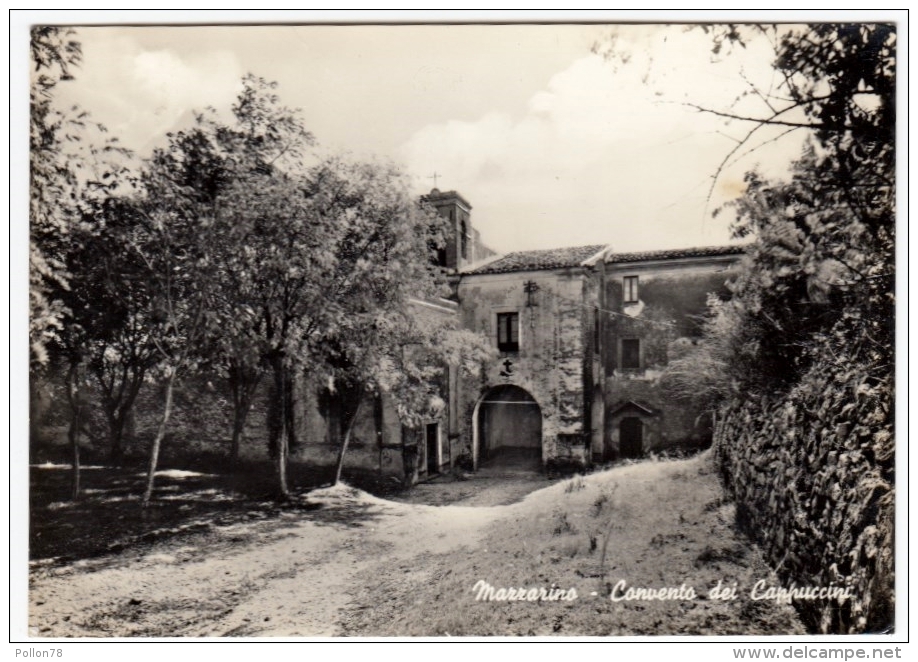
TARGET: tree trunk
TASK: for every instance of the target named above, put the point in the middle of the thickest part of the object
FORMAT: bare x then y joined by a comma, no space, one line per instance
243,383
118,401
347,439
239,418
282,489
242,404
160,433
73,433
379,427
277,420
289,411
115,435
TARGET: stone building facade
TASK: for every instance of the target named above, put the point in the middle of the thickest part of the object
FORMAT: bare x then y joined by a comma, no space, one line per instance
537,395
650,315
581,335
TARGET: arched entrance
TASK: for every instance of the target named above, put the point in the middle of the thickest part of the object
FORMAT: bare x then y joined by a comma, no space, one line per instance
508,425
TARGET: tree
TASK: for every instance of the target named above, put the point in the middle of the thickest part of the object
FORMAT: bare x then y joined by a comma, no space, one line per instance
111,302
51,185
74,170
327,257
822,262
102,333
404,356
174,242
268,249
218,250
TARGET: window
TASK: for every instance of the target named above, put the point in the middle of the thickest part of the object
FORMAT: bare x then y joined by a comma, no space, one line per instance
464,239
630,289
437,254
597,330
631,354
508,332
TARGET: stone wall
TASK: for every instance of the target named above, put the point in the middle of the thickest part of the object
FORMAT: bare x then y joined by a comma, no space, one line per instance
812,473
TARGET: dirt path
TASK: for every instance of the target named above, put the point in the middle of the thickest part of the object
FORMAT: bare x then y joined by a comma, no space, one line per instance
365,566
258,579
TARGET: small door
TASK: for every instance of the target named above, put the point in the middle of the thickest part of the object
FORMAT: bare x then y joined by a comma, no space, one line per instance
631,437
433,448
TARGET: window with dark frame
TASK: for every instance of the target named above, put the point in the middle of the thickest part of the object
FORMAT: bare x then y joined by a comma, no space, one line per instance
508,332
630,289
631,354
596,329
464,239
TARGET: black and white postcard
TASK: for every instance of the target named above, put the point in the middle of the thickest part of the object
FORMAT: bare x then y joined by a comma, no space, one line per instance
442,328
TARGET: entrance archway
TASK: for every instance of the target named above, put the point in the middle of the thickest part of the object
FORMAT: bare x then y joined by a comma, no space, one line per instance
508,425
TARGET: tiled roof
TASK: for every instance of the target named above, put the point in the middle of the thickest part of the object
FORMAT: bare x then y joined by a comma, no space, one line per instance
554,258
675,253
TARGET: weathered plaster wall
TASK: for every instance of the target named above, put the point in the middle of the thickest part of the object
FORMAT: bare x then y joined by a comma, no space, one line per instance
665,320
378,438
550,362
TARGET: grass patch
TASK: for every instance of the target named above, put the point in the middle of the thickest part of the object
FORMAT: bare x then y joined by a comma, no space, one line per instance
108,518
647,524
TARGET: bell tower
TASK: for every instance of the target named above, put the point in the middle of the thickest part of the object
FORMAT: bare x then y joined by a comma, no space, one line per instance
461,244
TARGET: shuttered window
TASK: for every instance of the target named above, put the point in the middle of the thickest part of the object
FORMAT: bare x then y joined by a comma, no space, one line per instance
508,332
630,289
631,354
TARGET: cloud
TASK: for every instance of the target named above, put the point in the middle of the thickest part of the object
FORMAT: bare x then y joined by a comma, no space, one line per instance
140,93
607,152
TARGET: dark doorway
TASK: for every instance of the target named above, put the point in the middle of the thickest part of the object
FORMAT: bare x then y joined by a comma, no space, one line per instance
631,437
509,424
433,447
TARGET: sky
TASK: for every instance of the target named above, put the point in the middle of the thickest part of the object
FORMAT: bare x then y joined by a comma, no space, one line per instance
551,143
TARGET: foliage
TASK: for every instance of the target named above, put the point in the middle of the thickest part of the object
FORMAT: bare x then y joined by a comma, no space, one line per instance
52,181
822,263
704,374
107,327
264,259
75,286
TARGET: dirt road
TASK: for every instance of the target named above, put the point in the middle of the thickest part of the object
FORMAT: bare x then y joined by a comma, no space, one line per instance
359,565
268,578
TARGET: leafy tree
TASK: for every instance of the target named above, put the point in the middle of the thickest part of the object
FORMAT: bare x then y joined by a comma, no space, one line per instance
822,263
328,258
174,244
51,185
403,356
111,301
75,169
